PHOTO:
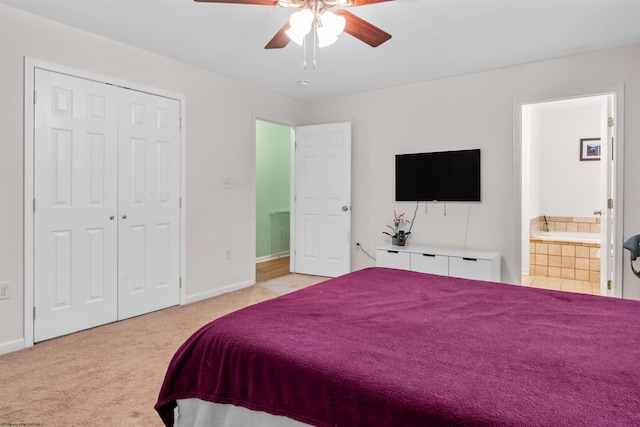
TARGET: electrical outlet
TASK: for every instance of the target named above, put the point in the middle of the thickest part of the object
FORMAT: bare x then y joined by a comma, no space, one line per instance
227,253
4,290
226,184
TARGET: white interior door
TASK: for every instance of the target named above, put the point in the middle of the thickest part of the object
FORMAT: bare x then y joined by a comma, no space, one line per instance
149,203
323,200
75,204
607,171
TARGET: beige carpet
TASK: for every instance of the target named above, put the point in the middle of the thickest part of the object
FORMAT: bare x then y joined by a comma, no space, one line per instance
291,282
111,375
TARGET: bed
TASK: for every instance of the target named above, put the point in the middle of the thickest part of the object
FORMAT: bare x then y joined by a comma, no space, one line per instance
387,347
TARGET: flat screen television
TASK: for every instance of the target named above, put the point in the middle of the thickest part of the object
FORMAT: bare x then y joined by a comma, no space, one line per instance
447,176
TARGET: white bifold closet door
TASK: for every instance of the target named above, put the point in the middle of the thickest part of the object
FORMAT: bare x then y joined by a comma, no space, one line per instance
149,197
106,203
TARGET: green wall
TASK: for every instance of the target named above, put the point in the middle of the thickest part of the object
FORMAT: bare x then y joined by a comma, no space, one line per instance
273,156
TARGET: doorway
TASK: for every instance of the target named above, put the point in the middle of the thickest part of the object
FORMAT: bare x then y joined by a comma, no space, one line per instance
273,199
568,186
319,198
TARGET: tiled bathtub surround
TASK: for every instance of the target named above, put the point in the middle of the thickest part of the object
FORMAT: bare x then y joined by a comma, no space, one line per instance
554,257
566,223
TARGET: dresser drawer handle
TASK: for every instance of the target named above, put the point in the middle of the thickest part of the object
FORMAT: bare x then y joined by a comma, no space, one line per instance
392,252
431,255
470,259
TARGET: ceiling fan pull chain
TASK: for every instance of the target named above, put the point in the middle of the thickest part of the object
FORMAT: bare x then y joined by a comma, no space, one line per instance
304,53
315,34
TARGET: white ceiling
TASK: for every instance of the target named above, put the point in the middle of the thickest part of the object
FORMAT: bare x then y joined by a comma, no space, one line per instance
432,39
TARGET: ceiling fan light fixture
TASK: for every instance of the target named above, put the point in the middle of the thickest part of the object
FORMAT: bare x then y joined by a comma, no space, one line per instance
329,28
325,40
300,25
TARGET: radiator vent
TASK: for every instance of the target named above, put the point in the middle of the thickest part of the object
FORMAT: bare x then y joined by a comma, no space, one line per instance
279,233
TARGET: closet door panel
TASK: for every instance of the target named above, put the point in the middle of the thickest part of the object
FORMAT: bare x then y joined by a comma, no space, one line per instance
149,203
75,192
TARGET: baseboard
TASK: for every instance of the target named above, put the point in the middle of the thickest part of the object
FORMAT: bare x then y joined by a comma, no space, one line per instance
215,292
12,346
272,257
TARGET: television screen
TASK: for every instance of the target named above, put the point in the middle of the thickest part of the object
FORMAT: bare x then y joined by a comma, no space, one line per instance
448,176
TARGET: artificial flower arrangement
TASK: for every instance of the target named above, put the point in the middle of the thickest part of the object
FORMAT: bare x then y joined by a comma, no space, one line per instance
399,237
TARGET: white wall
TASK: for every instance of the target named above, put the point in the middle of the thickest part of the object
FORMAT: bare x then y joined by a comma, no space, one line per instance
568,186
467,112
219,144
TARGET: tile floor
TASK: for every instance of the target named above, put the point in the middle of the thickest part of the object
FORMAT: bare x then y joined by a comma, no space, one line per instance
559,284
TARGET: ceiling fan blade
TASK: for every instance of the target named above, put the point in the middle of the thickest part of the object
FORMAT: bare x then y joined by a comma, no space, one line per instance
363,2
362,30
261,2
280,40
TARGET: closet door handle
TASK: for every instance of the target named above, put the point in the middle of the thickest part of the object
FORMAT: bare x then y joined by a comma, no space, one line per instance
112,217
124,217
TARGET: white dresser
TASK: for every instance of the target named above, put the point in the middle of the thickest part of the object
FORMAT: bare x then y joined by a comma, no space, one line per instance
468,264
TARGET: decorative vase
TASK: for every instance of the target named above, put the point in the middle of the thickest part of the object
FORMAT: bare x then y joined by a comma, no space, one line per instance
402,238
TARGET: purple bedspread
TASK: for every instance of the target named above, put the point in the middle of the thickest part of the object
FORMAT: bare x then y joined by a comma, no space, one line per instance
384,347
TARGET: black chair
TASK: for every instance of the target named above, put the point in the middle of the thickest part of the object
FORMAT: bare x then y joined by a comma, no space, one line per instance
633,245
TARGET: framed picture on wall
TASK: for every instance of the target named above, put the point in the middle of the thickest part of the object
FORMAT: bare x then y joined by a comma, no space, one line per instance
590,149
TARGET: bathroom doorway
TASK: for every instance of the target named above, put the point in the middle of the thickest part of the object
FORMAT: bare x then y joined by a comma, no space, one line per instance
568,177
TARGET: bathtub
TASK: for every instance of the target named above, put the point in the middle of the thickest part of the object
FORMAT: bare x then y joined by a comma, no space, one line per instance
565,254
567,236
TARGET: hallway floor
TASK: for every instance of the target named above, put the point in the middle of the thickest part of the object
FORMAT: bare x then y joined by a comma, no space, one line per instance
558,284
272,269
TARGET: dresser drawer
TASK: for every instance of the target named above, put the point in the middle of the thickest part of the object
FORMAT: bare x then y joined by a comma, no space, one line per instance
470,268
393,259
430,263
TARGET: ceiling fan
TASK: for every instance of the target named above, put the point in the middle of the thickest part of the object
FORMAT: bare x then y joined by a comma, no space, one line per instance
316,14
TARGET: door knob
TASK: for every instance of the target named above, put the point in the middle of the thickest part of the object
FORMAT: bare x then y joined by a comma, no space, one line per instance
597,212
345,208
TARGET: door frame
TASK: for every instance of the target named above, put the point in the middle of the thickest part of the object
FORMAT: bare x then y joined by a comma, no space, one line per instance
618,154
292,191
30,66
